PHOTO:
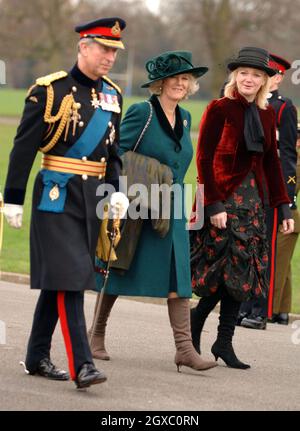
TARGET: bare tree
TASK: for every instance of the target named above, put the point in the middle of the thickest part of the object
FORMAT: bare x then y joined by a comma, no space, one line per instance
215,29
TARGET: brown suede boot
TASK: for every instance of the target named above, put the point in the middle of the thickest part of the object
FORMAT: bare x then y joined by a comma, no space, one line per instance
97,342
179,314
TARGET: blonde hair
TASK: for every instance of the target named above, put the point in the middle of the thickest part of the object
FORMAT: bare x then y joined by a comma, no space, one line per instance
261,96
157,86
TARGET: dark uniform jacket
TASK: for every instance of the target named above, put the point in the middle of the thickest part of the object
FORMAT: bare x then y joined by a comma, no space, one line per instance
62,245
286,121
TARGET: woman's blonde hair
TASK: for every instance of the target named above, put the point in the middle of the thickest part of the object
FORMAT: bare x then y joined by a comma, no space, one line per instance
157,86
261,97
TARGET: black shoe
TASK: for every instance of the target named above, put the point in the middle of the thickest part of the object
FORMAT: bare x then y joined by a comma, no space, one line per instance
46,369
226,353
254,322
274,318
283,318
89,375
240,317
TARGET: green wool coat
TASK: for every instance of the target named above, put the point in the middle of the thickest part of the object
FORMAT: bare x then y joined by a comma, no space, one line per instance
160,265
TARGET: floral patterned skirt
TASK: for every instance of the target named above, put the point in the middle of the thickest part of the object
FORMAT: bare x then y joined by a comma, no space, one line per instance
236,256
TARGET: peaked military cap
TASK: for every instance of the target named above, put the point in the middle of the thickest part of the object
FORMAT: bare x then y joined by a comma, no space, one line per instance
279,64
106,31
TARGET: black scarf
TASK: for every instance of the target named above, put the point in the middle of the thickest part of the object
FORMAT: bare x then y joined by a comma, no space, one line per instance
253,130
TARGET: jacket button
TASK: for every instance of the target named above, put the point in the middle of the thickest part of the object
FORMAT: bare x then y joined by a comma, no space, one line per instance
102,159
84,177
100,177
84,158
109,124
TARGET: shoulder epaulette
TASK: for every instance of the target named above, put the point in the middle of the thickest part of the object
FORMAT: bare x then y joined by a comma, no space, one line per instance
30,89
109,81
48,79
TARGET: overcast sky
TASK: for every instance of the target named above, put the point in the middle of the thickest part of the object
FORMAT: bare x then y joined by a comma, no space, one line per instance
153,5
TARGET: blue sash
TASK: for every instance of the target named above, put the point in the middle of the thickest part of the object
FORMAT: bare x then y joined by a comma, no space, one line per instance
84,146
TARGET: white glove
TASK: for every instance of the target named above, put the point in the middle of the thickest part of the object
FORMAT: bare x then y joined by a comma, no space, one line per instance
13,214
119,204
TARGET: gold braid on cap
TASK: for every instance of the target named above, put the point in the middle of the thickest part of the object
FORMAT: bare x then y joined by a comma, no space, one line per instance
62,115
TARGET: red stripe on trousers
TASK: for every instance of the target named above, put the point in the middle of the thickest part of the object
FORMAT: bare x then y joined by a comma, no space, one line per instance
66,332
272,270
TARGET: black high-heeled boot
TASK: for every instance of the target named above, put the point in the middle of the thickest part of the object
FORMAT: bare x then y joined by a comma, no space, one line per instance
199,315
223,348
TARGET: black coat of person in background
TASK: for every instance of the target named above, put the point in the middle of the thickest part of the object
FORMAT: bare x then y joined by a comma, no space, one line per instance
73,119
254,313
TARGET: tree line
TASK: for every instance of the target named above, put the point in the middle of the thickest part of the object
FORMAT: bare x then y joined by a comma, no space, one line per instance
37,35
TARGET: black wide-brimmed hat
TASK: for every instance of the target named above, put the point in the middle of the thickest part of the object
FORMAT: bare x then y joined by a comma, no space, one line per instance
171,63
257,58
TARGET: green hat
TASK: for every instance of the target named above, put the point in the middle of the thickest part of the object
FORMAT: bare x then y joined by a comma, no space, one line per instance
171,63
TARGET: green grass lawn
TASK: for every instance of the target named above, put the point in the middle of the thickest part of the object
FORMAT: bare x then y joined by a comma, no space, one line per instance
12,101
15,253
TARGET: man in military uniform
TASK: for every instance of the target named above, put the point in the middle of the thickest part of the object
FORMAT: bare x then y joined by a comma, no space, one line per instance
73,119
254,313
284,253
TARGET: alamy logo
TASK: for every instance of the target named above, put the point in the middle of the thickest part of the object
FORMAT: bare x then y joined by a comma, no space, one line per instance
296,73
295,337
2,72
2,332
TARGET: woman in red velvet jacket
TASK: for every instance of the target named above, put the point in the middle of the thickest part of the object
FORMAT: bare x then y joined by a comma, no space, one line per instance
236,148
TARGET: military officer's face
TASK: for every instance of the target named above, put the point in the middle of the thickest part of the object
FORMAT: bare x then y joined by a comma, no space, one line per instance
249,81
275,81
96,59
176,87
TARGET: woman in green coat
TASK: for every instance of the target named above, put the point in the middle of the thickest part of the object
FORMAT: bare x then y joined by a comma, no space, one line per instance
160,266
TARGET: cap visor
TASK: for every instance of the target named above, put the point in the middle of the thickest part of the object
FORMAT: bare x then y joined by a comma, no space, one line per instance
111,43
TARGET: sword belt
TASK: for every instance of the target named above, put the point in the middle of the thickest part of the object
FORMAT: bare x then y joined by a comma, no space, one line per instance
69,165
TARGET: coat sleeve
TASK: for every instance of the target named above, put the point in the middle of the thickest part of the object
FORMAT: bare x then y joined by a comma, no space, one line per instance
211,128
132,126
27,142
273,172
287,146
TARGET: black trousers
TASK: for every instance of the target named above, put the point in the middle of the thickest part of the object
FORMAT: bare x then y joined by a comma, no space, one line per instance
68,307
259,306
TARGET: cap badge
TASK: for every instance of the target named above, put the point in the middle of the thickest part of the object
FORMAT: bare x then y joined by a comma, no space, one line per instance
116,29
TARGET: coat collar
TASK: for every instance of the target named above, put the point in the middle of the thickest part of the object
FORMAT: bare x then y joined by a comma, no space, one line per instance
241,98
175,134
83,79
275,95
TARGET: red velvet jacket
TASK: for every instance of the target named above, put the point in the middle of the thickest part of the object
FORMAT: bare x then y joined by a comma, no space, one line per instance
223,160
